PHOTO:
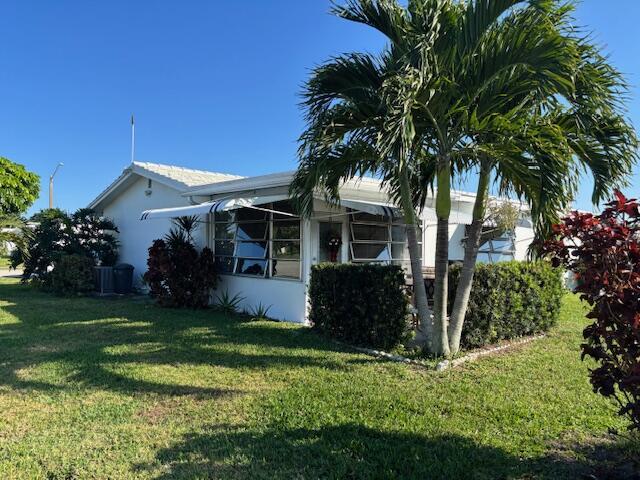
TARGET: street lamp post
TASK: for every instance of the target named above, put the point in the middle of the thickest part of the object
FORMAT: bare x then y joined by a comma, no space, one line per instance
51,184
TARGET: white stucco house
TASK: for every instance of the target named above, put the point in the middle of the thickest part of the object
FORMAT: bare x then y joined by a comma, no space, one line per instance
264,252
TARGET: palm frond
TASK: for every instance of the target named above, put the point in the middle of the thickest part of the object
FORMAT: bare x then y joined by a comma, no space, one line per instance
386,16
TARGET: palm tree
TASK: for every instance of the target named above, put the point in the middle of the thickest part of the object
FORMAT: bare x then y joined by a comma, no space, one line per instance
502,86
559,135
352,102
605,145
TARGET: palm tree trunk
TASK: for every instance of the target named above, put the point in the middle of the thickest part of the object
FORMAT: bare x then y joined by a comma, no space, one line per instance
425,330
443,211
472,245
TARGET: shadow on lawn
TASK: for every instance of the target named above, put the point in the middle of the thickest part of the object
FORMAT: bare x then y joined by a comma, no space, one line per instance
83,332
351,451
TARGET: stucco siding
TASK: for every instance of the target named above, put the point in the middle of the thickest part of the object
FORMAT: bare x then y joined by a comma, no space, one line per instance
524,237
286,298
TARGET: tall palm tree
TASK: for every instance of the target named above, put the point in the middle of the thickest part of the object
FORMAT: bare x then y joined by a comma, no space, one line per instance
351,103
604,144
488,84
559,134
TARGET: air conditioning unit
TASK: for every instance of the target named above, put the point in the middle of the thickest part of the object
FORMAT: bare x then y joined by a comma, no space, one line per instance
103,279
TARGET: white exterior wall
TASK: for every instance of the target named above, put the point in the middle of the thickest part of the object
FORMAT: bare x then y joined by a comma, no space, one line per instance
136,236
524,237
287,299
456,234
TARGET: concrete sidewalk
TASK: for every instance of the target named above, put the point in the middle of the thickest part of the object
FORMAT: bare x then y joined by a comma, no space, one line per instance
6,273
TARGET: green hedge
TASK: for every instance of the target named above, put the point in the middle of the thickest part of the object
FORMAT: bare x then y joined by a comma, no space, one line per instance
509,300
359,304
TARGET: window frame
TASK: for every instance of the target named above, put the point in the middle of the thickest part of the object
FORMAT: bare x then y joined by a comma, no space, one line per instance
389,243
269,257
487,248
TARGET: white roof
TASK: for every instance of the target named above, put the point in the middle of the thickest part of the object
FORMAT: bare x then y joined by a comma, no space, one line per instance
179,178
185,178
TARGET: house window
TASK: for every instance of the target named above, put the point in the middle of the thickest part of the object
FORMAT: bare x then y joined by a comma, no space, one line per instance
379,239
496,245
257,242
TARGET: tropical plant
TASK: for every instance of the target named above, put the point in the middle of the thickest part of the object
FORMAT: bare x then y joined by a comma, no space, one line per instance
352,103
507,87
229,304
559,133
95,235
177,274
604,253
19,188
53,233
47,242
260,311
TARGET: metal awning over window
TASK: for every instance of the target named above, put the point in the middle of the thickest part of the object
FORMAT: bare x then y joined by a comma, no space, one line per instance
373,208
212,207
385,209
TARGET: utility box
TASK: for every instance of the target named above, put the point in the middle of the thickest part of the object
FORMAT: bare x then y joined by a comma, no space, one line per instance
103,279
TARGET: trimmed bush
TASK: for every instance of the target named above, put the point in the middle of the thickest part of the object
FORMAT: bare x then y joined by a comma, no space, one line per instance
509,300
71,275
360,304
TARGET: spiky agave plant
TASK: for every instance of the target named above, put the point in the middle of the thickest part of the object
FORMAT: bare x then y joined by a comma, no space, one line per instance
229,304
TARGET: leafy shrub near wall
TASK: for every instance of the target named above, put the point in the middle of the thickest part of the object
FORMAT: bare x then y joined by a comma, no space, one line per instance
359,304
178,275
71,275
509,300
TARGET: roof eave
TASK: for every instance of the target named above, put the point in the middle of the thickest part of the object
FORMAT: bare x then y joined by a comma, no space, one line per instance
104,195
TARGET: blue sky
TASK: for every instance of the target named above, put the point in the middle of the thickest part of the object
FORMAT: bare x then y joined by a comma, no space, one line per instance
213,84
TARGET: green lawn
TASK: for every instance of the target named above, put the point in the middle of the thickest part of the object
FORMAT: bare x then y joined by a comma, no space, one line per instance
122,389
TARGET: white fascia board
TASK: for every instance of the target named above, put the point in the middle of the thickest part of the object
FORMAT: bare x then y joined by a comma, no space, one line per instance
126,176
102,196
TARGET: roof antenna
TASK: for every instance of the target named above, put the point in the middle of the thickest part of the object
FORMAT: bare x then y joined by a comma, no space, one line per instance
133,139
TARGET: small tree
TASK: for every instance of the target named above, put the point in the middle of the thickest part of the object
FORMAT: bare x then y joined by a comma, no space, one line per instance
604,253
19,188
94,234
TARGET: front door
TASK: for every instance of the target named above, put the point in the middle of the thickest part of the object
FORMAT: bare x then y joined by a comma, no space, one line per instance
330,244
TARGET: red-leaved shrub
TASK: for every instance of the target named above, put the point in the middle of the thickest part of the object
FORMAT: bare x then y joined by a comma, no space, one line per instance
604,253
177,274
